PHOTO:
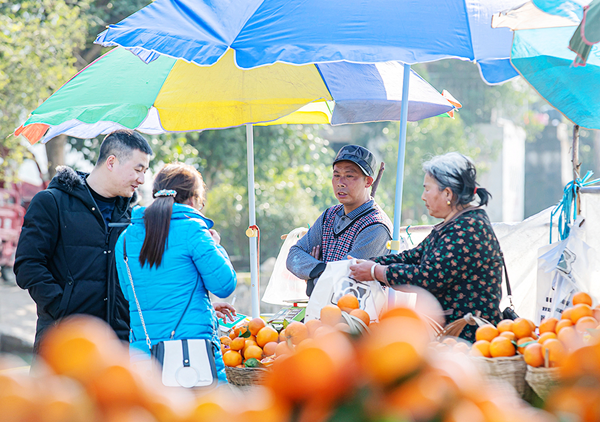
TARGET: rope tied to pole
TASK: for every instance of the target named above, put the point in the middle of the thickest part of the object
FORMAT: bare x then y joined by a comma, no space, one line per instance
567,207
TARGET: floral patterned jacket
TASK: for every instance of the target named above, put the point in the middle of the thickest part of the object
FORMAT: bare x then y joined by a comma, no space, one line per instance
460,263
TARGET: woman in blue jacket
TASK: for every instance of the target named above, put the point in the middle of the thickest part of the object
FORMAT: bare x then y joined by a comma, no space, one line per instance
174,255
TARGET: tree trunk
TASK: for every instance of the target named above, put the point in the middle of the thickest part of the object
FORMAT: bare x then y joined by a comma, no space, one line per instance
55,150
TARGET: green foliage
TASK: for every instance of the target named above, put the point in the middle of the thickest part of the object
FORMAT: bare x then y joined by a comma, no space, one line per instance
425,139
37,40
292,180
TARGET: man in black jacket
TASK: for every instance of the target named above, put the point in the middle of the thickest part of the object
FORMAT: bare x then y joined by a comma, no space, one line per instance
65,256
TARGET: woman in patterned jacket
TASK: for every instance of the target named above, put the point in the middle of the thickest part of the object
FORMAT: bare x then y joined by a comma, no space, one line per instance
460,261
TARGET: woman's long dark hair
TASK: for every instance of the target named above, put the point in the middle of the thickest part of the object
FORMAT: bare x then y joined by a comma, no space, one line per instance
187,182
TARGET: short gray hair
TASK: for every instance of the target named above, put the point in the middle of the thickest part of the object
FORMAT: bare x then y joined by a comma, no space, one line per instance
458,173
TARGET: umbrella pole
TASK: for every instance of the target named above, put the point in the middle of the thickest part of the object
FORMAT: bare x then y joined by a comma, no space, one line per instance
400,170
252,234
576,163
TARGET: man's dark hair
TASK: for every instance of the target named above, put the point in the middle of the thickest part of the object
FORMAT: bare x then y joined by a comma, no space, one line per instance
121,143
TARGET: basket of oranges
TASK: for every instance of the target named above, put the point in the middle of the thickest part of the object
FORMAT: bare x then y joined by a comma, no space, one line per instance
248,351
577,328
497,348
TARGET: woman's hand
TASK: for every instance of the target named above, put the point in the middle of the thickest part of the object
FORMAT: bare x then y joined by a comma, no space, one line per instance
216,237
224,311
361,271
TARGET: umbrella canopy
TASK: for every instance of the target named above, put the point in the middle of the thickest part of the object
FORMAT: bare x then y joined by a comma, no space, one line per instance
169,95
544,32
537,14
313,31
542,57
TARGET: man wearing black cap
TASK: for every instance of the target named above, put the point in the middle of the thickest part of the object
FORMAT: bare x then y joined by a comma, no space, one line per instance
357,226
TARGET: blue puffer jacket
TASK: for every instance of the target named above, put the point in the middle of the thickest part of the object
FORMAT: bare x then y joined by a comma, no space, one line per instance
163,293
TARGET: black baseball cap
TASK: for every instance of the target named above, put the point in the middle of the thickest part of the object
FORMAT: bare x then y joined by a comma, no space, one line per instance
360,156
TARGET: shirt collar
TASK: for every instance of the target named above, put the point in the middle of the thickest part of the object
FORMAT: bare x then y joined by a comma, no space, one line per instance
358,211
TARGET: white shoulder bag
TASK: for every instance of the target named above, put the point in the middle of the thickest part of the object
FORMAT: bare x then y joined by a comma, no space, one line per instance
185,363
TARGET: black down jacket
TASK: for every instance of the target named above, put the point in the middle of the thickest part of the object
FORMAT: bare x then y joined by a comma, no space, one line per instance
65,255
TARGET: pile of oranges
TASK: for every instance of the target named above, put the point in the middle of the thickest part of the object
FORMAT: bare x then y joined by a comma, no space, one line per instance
553,340
390,374
504,340
255,341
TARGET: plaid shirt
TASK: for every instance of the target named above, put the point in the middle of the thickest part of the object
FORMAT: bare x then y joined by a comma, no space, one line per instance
370,241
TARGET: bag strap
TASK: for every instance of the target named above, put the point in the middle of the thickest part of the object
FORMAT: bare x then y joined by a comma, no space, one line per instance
508,289
137,303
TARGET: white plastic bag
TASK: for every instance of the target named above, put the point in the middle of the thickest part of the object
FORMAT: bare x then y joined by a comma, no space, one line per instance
335,283
564,269
283,285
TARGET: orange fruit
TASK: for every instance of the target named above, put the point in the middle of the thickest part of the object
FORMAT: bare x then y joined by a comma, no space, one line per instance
240,329
548,325
320,372
586,322
331,315
562,324
248,343
486,332
501,347
579,311
556,352
225,340
391,338
581,297
255,325
505,325
596,312
232,358
321,331
449,341
566,314
522,328
296,332
253,352
362,315
533,355
308,342
117,386
342,326
545,337
312,326
237,343
400,312
282,336
79,346
348,301
282,349
509,335
569,337
481,348
269,348
521,344
267,335
461,348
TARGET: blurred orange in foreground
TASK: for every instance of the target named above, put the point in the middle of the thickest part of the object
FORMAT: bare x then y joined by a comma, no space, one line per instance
390,339
79,347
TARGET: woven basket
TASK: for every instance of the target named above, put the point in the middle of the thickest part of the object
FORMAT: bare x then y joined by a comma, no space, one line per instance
455,328
245,376
509,369
541,380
